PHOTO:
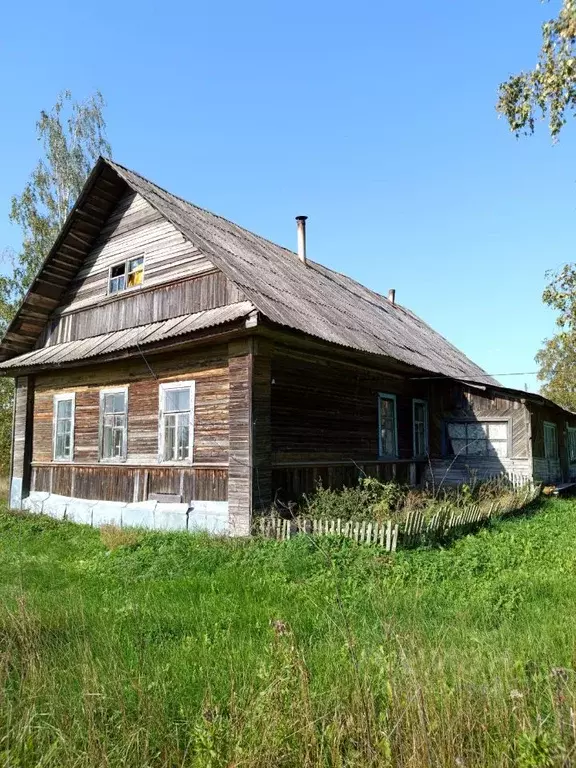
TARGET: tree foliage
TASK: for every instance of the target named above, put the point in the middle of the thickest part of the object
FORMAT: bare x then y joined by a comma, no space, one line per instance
548,90
73,135
557,358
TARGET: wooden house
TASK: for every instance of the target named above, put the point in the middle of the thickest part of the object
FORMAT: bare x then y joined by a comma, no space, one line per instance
173,369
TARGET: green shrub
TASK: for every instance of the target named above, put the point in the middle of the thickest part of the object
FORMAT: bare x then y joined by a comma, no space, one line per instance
370,499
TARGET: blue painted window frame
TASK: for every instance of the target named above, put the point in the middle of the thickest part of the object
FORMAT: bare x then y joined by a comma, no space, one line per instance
391,398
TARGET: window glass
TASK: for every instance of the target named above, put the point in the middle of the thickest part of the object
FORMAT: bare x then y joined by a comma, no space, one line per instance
176,417
63,427
135,271
550,441
571,444
177,399
420,410
114,425
128,274
478,438
388,426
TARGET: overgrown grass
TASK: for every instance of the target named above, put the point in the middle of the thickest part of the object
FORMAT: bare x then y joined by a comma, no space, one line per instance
178,650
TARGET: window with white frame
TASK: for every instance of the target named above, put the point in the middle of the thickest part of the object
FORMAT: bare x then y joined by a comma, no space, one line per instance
176,421
113,424
477,438
550,440
388,438
64,427
420,421
127,274
571,444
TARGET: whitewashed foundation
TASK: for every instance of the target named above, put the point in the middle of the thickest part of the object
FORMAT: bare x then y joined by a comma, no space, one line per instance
210,516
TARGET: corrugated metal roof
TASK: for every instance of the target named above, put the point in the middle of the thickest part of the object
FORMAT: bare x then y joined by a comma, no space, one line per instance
142,335
309,298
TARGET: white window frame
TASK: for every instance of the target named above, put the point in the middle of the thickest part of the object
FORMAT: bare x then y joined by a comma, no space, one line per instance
126,265
57,399
113,459
162,390
553,426
473,422
571,437
392,399
416,402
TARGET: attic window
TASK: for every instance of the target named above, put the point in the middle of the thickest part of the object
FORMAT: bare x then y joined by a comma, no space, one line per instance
128,274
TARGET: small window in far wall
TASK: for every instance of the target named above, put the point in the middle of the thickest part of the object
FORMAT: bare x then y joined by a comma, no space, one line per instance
420,418
113,424
128,274
388,438
64,427
176,421
550,441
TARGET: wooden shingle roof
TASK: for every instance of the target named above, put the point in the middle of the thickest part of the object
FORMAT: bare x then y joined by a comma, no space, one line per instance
305,297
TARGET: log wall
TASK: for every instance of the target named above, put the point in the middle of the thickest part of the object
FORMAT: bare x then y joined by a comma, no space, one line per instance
140,474
325,424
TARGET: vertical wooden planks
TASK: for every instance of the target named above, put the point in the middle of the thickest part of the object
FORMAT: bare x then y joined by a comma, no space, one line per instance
240,456
21,470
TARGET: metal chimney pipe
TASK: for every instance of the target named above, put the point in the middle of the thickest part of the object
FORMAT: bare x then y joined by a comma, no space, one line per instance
392,295
301,227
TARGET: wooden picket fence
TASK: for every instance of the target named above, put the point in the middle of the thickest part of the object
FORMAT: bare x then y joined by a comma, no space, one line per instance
415,529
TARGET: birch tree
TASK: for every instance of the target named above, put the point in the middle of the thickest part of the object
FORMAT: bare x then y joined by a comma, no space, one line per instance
72,135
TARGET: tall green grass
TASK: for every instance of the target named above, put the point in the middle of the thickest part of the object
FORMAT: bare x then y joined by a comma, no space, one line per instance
177,650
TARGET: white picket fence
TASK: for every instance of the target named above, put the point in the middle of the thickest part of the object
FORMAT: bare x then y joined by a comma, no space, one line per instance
416,528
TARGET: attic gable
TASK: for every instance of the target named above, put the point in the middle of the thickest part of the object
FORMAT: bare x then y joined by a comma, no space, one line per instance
134,229
100,195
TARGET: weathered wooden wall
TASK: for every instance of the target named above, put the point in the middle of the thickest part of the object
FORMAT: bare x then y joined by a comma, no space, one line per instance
327,410
452,401
325,424
240,454
178,279
140,306
20,473
141,474
551,470
134,229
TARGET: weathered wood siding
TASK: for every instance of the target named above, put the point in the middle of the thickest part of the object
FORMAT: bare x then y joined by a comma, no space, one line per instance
20,474
141,474
134,229
240,461
325,424
141,306
178,279
326,410
551,470
455,402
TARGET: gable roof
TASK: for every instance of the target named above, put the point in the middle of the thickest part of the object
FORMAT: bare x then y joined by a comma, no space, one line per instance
305,297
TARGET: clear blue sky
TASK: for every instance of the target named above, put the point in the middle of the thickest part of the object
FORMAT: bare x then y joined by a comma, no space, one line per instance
376,119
